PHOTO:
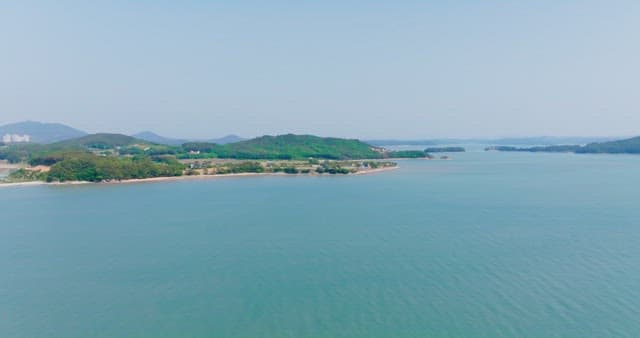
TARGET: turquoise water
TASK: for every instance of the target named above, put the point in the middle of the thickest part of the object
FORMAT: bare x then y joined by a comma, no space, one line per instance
484,245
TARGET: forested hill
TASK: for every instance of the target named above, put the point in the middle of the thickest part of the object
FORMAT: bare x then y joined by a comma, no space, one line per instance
289,147
626,146
305,146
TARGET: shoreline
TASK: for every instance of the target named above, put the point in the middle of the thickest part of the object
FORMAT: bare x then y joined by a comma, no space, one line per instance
186,177
20,184
375,171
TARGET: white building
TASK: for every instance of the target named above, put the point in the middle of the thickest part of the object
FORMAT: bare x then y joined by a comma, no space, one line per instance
15,138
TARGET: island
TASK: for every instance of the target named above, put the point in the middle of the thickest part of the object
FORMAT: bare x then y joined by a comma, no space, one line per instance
117,158
625,146
537,149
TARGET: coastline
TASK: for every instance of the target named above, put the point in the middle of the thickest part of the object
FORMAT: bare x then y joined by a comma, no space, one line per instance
374,171
186,177
20,184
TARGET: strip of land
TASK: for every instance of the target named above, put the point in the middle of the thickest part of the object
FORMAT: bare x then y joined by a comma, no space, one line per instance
365,171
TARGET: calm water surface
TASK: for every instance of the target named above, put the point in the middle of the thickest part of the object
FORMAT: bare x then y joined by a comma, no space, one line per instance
484,245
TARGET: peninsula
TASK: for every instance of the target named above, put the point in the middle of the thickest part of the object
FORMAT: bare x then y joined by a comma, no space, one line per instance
115,158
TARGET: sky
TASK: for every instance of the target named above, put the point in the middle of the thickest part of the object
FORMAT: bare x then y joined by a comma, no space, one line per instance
364,69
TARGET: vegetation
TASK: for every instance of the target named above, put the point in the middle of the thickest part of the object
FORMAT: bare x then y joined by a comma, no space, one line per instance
332,169
101,141
284,147
22,152
444,150
372,164
24,175
628,146
204,147
92,168
216,167
151,149
407,154
241,167
53,157
290,170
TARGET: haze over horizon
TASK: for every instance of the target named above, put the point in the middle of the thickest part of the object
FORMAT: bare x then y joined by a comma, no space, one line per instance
349,69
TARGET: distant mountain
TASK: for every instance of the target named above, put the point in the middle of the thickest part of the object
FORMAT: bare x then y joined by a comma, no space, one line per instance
155,138
227,139
101,141
37,132
150,136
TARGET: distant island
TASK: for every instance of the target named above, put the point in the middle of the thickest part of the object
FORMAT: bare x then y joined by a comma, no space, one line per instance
542,140
116,157
626,146
445,150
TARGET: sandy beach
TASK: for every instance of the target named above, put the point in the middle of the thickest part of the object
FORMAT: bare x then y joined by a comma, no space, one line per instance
374,171
21,184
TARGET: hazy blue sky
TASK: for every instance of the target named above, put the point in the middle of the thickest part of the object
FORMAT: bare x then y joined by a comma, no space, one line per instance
364,69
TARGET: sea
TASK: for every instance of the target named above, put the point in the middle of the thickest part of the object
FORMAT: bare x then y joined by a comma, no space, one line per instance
484,244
